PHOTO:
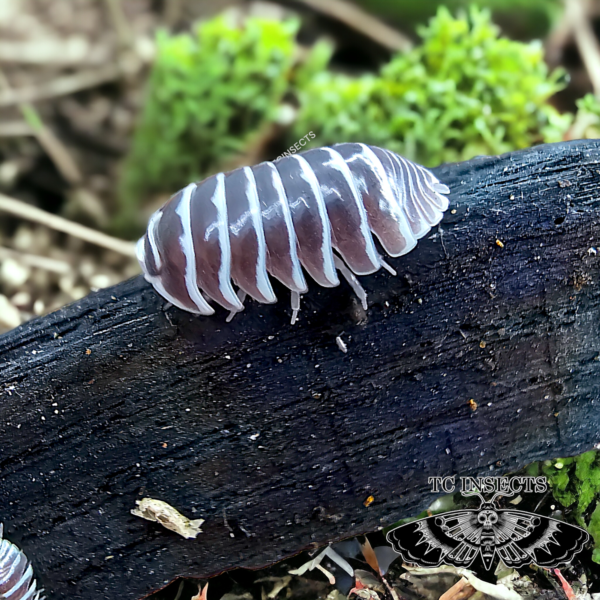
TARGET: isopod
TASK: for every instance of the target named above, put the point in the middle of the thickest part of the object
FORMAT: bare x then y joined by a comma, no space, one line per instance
315,210
16,574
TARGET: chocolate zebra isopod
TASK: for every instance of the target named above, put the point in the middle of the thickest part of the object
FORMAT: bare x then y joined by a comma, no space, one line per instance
16,574
316,209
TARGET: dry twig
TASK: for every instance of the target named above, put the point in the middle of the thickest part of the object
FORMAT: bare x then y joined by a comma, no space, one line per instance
50,143
363,22
15,129
576,13
61,86
39,262
172,12
73,50
31,213
120,23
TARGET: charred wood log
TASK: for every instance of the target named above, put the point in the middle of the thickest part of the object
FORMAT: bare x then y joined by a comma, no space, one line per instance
481,356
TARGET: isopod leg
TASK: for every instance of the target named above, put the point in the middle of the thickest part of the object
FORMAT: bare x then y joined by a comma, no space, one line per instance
295,306
351,279
242,296
387,267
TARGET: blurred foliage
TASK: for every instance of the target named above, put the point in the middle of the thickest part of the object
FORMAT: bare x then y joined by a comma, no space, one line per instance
207,95
464,91
575,482
523,19
587,121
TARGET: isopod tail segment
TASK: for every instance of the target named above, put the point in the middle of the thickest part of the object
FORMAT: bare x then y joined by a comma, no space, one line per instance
16,573
314,212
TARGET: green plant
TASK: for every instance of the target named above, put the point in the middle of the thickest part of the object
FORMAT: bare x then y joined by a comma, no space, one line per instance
575,482
535,17
464,91
207,94
587,118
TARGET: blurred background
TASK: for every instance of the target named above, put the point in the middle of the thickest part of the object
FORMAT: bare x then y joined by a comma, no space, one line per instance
107,107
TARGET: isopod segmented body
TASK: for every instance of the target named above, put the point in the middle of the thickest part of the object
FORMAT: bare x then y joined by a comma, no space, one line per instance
316,209
16,574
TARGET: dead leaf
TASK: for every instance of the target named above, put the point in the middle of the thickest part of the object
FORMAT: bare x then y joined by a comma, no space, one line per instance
201,595
569,593
369,555
279,583
363,591
327,574
461,590
169,517
494,592
315,563
368,580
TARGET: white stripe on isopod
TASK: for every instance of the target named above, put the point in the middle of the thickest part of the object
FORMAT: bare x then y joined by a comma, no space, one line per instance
393,202
337,162
297,274
218,200
191,278
326,248
345,193
156,280
262,279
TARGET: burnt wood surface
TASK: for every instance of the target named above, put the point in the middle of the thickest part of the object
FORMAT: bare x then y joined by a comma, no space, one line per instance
274,435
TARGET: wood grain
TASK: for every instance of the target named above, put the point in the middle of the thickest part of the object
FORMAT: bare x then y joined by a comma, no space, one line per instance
272,434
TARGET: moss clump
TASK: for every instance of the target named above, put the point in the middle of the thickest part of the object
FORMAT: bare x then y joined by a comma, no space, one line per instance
536,18
587,119
464,91
575,482
206,95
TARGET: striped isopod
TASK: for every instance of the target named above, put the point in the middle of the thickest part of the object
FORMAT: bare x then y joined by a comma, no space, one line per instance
316,209
16,574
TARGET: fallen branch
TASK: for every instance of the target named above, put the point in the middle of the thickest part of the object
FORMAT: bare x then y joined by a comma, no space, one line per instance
362,22
52,145
61,86
39,262
477,359
580,24
31,213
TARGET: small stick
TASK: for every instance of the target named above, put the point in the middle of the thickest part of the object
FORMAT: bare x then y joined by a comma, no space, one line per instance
172,12
37,215
39,262
120,23
50,143
61,86
577,15
15,129
60,51
363,22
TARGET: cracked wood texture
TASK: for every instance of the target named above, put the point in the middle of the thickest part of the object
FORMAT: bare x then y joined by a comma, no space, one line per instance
272,434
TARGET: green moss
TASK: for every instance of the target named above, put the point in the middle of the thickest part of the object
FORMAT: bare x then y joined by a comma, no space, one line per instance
587,120
464,91
575,482
594,529
207,94
535,19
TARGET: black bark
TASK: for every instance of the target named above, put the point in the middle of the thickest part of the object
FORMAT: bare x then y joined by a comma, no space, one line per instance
274,435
